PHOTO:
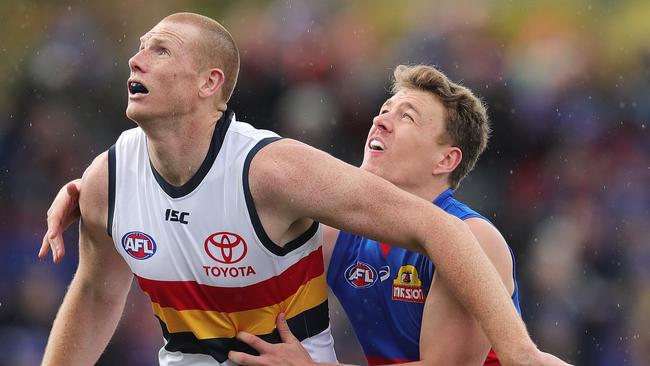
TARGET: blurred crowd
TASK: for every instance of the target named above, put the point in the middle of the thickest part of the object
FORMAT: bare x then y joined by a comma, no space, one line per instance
566,176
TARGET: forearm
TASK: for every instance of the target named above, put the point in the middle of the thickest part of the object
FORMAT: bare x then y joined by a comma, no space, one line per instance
471,277
83,326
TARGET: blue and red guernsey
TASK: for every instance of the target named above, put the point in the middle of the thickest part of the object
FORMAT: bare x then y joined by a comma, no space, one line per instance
383,289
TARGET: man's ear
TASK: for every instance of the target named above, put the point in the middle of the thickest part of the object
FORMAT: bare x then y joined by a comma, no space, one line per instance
449,162
211,82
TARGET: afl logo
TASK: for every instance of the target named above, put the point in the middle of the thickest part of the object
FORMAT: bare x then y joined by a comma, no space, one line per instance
139,245
361,275
225,247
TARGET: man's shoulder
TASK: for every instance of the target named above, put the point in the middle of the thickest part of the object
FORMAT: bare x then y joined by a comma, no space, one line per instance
495,246
487,234
461,210
131,134
93,199
247,130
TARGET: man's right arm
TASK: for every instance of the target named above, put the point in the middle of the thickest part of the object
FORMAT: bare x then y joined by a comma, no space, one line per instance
95,299
290,181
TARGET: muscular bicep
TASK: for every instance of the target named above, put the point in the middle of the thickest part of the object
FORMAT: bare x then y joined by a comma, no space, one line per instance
450,335
101,268
95,299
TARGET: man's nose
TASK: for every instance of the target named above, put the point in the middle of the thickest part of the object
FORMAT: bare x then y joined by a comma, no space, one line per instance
136,63
383,122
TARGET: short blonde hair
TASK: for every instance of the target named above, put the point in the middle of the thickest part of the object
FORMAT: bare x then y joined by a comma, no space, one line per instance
467,124
218,49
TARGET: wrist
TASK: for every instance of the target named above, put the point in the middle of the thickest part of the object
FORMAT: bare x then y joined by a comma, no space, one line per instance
522,354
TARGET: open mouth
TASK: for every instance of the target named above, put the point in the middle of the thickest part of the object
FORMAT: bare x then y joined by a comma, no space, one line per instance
136,87
376,145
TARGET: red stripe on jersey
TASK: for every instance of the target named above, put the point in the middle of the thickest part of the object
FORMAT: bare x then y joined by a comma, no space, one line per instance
190,295
385,248
379,360
492,359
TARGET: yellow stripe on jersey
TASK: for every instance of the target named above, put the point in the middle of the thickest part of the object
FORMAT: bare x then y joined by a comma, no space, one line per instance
214,324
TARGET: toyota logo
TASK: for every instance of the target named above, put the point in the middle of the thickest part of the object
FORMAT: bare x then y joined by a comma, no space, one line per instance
225,247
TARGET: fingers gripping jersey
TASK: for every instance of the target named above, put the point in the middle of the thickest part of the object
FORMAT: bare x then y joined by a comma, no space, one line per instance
200,253
383,290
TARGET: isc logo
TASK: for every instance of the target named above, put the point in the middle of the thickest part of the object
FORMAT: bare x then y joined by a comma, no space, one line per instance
139,245
177,216
361,275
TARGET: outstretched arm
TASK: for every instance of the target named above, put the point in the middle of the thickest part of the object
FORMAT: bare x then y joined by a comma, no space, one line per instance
295,181
94,302
61,214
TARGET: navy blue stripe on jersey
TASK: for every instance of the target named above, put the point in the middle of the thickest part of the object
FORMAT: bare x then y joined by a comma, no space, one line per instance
111,190
448,203
215,145
515,291
304,325
255,219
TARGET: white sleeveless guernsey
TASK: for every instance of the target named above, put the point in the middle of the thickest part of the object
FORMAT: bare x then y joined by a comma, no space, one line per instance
199,251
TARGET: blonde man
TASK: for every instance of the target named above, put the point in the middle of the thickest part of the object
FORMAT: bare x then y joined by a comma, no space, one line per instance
425,139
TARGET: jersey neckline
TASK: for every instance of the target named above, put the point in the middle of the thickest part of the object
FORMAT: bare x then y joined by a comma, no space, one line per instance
213,151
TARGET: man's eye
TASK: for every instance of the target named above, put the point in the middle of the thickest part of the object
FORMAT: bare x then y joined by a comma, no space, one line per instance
406,115
163,51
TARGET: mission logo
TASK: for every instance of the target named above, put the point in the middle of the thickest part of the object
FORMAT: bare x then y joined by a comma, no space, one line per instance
408,286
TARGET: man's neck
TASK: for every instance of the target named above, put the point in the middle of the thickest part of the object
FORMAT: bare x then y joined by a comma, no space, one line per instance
429,191
178,148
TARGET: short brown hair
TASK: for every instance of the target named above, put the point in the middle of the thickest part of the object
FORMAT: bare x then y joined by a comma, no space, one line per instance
467,124
218,47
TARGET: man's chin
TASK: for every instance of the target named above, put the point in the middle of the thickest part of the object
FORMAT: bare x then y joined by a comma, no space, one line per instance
134,114
130,114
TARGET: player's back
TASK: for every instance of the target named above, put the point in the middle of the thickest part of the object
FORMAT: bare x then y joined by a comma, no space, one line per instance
199,251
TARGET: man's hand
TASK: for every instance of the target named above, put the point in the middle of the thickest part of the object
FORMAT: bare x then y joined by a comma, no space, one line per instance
288,353
61,214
